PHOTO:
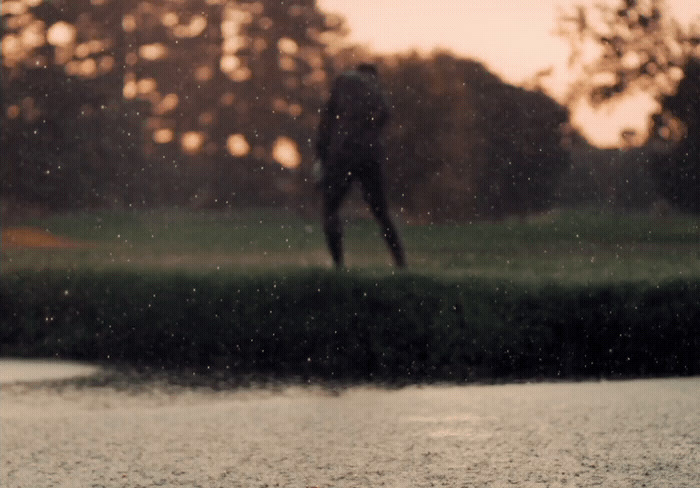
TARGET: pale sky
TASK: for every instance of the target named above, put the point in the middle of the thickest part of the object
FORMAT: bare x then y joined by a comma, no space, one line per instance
475,29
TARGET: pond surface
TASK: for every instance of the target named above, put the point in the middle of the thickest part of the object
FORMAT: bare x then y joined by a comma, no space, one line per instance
623,434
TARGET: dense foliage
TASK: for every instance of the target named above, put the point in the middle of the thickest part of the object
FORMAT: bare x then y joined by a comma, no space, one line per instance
353,327
213,104
465,144
679,166
643,49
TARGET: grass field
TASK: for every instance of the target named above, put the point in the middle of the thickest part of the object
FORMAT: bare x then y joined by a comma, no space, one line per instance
562,295
574,247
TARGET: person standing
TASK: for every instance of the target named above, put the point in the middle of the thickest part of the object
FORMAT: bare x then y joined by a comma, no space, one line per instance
350,147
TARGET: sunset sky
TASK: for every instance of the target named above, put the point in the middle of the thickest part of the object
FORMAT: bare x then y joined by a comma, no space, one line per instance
513,38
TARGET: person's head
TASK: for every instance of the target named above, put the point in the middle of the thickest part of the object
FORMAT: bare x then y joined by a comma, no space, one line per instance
367,68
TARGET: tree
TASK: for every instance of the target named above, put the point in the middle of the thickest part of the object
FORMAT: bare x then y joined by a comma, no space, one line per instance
74,143
526,158
642,49
201,102
464,144
679,167
235,91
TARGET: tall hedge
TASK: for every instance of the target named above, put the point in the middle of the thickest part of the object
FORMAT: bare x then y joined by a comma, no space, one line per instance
353,327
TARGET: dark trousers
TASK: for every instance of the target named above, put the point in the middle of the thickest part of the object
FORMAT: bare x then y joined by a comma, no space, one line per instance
336,182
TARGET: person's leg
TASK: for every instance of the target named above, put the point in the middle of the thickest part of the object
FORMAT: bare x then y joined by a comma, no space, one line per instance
373,192
334,190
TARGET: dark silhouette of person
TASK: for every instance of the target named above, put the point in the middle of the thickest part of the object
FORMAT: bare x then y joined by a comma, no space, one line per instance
350,146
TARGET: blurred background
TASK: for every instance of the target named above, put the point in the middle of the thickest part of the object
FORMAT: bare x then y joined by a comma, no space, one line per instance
498,109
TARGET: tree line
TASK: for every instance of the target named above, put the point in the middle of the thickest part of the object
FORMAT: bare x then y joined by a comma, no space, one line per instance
214,104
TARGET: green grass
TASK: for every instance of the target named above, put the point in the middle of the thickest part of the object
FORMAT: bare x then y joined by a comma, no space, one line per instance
567,294
572,247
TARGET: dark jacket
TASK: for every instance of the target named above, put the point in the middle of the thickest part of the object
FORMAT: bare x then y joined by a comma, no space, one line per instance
352,120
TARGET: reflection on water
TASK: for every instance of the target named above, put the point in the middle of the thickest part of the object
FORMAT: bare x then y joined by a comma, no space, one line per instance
465,426
20,370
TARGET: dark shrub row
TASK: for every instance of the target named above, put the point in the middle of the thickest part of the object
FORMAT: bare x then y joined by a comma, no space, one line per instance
353,327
